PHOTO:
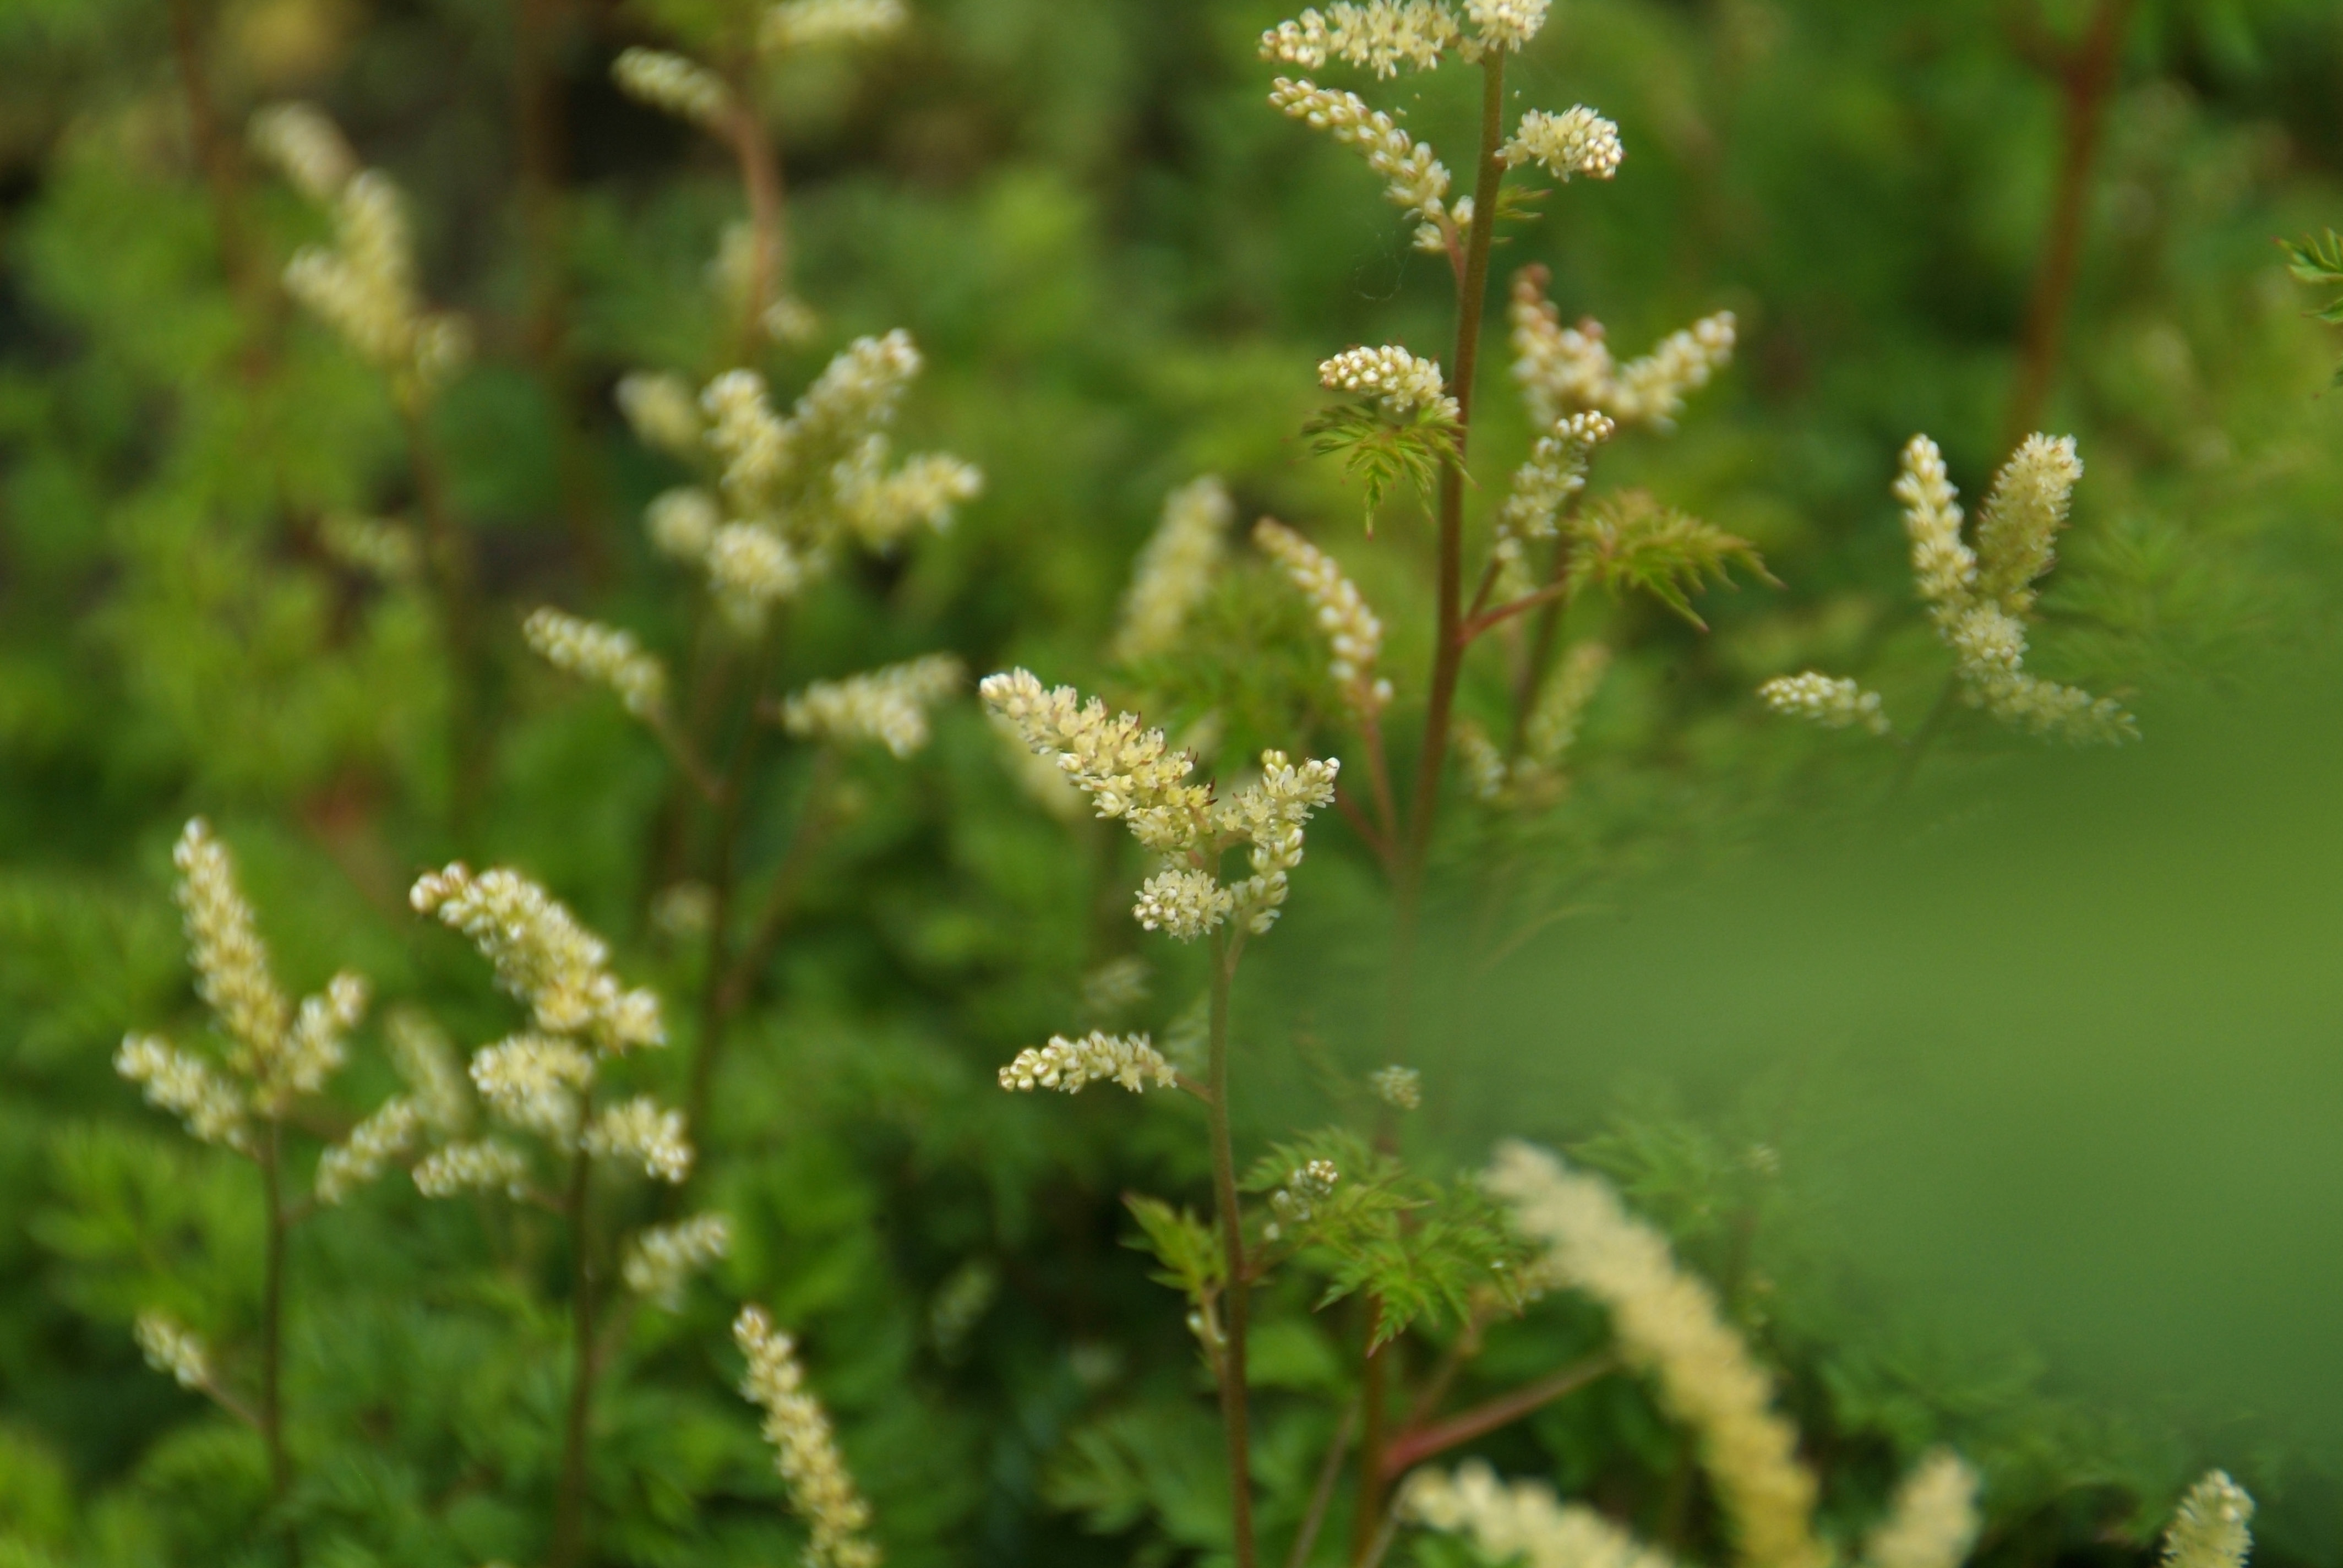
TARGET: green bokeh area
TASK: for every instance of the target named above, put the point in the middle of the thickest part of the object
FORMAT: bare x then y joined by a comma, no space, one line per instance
2000,1104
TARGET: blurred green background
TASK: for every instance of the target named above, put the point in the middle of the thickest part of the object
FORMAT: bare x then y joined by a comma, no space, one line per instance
2041,1057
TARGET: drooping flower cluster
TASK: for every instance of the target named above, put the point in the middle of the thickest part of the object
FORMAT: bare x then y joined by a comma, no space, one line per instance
1175,570
363,286
790,491
1978,598
804,1450
1131,772
2211,1527
1668,1325
1833,702
1555,473
1068,1065
1380,35
542,954
1523,1521
1565,369
1578,141
1352,629
274,1053
888,706
598,653
542,1081
1401,382
815,24
687,90
659,1260
170,1346
1414,180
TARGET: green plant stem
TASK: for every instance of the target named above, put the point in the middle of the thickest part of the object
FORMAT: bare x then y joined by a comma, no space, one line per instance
1448,648
1234,1416
452,576
569,1503
1322,1495
761,184
215,151
2086,78
272,1320
719,994
1373,1378
1916,748
540,130
1417,1444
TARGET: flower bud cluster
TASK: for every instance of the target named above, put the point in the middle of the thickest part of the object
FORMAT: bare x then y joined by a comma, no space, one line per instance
1563,369
599,653
170,1346
541,955
887,706
1352,629
1933,1522
306,147
1296,1203
1578,141
486,1166
804,1452
1979,597
386,551
1555,472
184,1085
1415,179
1175,570
1523,1521
1068,1065
533,1082
364,285
815,24
1404,383
1503,24
1380,35
793,489
1132,773
669,82
1668,1325
662,413
1401,1088
2211,1528
1833,703
659,1260
640,1131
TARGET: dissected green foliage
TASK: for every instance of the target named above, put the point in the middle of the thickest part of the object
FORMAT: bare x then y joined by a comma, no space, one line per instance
1120,265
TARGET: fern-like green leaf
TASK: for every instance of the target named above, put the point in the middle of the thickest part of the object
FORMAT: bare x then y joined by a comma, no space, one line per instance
1631,541
1382,452
1189,1250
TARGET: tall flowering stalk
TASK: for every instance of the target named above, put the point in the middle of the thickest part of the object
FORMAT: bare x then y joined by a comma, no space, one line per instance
1410,426
269,1058
364,287
780,498
1132,774
545,1083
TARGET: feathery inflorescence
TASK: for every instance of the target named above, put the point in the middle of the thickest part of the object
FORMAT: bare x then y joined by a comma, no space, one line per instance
1668,1325
1068,1065
804,1450
887,707
2212,1528
1175,570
